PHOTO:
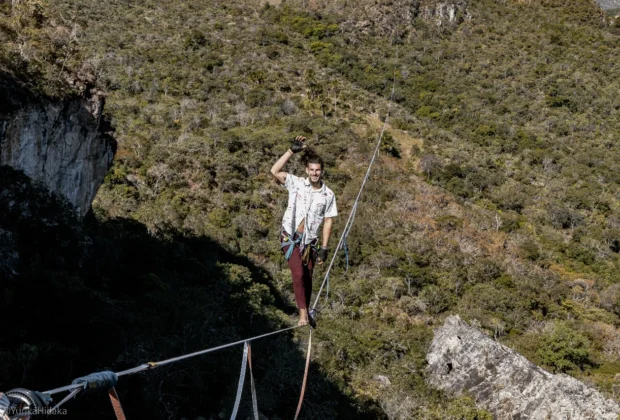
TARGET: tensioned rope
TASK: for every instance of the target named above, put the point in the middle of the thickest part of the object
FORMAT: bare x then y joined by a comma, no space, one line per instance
152,365
349,223
76,387
108,379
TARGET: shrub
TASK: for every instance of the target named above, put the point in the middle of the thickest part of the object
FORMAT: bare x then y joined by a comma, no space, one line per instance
194,40
564,349
436,299
389,145
449,222
430,165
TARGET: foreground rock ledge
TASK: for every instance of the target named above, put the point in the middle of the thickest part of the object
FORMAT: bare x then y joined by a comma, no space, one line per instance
464,359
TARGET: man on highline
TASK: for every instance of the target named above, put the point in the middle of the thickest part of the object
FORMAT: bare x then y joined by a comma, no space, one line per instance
310,203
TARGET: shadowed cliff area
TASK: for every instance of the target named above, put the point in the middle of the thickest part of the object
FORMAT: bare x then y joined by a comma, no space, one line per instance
107,295
14,93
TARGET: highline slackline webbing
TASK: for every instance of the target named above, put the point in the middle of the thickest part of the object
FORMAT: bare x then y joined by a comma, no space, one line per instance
75,388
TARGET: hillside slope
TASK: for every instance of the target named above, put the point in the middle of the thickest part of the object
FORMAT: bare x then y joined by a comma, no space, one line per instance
496,195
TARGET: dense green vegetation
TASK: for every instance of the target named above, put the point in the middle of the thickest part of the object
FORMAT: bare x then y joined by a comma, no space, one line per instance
496,196
38,52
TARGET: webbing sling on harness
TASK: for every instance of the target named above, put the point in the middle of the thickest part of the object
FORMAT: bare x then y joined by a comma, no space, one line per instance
288,240
307,250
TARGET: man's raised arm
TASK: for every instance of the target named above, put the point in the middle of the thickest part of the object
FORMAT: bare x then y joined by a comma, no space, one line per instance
276,169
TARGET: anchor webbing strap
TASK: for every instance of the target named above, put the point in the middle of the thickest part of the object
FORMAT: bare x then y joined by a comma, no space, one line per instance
303,384
244,364
254,400
116,404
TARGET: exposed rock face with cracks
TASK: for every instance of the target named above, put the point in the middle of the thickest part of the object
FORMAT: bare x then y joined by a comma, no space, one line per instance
57,143
609,4
464,359
382,19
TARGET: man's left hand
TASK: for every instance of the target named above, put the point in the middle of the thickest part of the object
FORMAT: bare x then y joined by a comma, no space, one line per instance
322,255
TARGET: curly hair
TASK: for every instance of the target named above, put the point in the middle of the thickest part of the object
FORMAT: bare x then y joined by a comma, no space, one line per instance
310,156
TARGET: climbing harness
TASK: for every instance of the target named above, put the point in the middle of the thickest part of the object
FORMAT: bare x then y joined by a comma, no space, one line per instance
298,239
292,241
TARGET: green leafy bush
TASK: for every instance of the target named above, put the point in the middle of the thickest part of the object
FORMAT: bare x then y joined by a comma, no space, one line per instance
564,349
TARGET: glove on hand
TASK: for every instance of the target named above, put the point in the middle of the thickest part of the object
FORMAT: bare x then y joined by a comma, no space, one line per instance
297,144
322,254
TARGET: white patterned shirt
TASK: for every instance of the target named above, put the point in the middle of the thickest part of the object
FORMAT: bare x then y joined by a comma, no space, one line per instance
304,202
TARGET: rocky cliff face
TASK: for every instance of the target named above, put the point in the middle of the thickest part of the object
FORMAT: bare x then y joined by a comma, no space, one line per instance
59,144
381,19
609,4
444,13
463,359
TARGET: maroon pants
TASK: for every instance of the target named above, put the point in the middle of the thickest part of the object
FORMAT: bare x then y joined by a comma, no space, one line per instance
302,274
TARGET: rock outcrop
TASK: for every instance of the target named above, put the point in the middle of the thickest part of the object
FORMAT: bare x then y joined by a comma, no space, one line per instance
57,143
609,4
444,13
464,359
381,19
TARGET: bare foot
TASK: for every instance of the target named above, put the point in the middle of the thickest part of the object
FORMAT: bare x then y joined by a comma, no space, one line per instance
303,317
